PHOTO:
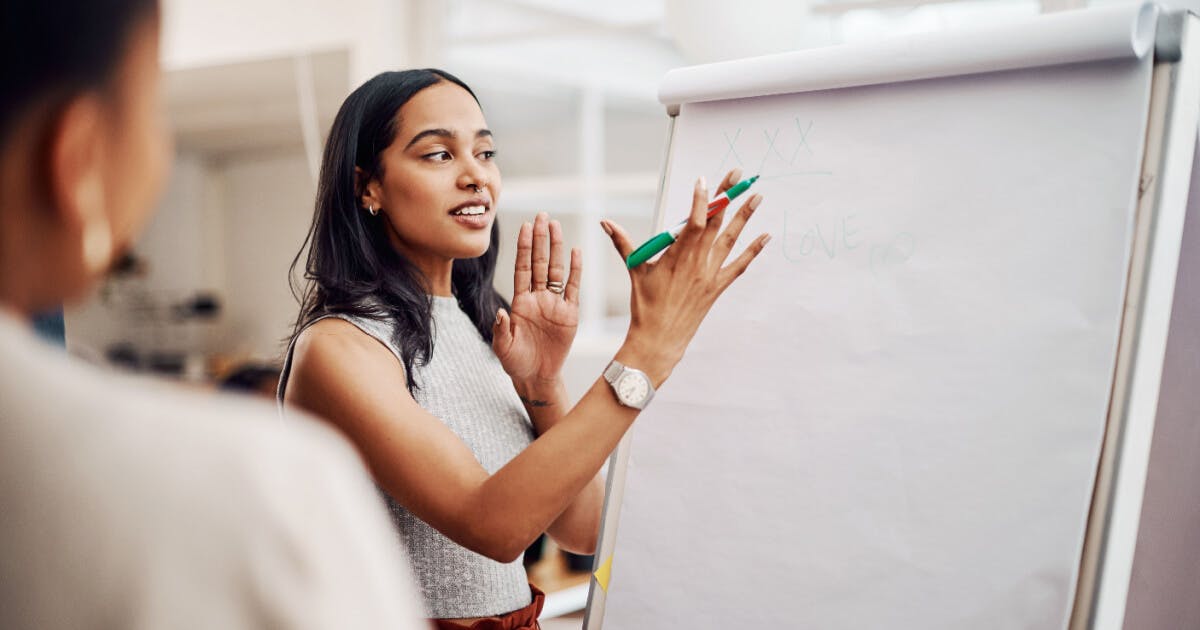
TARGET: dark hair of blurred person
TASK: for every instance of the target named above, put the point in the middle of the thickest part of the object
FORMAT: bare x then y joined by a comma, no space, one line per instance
129,504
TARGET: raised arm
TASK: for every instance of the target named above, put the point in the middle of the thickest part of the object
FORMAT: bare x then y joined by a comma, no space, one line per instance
538,380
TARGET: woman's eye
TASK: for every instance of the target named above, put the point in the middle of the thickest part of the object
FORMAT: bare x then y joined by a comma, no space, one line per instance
488,155
439,156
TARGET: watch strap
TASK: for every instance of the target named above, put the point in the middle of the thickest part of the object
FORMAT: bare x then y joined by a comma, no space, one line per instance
613,370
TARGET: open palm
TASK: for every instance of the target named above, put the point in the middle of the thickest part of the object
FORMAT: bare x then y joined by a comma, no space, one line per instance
533,340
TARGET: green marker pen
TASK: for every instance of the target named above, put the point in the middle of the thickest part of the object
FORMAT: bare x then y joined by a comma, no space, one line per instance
663,240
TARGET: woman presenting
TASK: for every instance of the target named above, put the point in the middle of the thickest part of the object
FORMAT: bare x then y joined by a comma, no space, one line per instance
454,397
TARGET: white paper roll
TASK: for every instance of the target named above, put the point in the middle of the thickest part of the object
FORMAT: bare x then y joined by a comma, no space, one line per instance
1059,38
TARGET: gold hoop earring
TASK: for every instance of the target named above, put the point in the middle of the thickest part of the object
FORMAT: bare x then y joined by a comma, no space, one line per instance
97,245
97,232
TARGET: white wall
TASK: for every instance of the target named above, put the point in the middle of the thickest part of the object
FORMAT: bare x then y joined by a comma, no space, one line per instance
203,32
267,209
184,232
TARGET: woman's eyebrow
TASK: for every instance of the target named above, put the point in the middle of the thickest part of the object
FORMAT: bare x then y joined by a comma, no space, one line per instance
444,133
441,133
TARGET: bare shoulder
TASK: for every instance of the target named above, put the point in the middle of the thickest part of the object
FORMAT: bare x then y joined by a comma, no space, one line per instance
333,333
336,343
342,374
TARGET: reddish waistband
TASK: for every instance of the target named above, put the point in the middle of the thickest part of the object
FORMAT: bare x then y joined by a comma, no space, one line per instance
520,619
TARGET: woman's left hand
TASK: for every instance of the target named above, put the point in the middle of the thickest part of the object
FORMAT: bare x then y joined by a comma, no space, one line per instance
532,343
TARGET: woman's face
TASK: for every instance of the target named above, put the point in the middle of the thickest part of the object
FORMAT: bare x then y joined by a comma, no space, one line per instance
440,184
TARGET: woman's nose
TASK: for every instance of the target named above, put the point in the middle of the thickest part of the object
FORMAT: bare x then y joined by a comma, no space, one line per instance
474,175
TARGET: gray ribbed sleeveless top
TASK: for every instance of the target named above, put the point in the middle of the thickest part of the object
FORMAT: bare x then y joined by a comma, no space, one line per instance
463,385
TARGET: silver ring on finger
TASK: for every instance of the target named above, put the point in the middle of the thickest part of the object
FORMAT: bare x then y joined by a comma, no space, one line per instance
555,286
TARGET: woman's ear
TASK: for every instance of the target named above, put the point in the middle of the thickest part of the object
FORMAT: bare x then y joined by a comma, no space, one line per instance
75,179
368,190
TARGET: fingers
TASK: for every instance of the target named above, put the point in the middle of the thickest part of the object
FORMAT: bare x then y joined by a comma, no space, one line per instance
502,336
620,239
695,221
541,250
523,270
730,272
731,178
556,271
540,258
711,229
729,237
712,224
572,293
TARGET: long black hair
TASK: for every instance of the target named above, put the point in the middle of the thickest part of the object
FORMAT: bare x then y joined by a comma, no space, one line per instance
351,267
52,51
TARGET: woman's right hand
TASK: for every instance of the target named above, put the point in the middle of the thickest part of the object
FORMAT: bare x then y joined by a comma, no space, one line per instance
672,295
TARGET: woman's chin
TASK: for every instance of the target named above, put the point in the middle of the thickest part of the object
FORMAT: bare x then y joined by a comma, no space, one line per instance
472,249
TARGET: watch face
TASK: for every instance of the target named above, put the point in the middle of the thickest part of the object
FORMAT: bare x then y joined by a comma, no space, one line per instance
632,388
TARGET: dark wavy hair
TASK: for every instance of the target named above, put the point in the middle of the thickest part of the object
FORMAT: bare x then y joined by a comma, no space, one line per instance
351,266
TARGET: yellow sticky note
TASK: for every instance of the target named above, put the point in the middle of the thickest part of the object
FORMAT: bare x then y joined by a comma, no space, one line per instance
603,573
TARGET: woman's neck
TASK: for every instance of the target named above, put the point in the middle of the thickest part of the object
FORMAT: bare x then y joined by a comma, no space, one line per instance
439,279
436,269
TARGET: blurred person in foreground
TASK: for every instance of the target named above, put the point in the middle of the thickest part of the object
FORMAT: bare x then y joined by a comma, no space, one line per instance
127,504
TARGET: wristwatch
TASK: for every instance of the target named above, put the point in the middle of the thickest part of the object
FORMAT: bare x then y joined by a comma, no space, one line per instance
632,386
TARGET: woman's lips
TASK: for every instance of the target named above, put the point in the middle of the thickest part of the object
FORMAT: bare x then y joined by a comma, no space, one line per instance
474,221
